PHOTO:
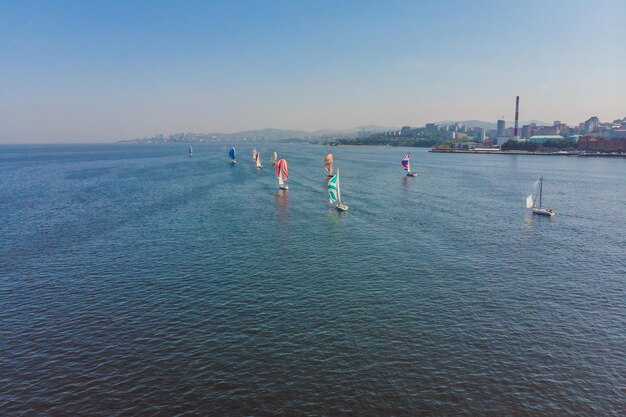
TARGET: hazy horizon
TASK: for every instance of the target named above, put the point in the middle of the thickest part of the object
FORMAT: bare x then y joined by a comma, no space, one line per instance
108,71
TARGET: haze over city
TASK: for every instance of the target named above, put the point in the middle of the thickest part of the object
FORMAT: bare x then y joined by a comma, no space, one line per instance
107,71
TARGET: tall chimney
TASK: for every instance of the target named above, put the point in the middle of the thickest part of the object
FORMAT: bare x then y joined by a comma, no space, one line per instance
516,131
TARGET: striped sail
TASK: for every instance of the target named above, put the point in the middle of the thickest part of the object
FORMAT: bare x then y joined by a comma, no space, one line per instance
405,161
328,163
333,189
282,171
231,153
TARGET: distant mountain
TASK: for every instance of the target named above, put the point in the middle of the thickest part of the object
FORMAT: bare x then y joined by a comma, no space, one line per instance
262,135
265,134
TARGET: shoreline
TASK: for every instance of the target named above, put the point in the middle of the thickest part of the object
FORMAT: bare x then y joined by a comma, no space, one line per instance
514,152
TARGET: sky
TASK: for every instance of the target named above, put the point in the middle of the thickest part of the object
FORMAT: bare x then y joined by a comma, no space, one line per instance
102,71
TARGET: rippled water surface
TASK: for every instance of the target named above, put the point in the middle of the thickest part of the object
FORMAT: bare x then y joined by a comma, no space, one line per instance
135,280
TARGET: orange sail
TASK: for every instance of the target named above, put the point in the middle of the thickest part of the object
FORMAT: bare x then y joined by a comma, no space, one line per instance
328,163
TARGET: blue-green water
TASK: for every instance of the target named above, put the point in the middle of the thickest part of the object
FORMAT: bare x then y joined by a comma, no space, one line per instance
135,280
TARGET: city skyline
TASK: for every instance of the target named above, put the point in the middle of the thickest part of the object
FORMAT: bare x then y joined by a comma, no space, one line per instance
102,72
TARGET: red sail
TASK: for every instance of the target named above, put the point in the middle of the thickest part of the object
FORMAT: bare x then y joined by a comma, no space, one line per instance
282,167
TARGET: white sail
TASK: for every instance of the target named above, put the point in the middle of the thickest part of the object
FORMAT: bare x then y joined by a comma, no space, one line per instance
338,188
258,160
530,200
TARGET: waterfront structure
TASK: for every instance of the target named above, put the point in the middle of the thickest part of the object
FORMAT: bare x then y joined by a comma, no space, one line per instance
597,144
465,145
544,138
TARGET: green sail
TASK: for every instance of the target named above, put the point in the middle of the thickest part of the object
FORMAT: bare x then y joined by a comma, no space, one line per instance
332,189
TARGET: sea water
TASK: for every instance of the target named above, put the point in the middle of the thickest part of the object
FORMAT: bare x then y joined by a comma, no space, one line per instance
135,280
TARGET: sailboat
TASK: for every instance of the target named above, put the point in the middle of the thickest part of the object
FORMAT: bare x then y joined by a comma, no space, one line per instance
232,155
406,163
282,173
334,193
190,151
257,160
328,164
531,201
274,157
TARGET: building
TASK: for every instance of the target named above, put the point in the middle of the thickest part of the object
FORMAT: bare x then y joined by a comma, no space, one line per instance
465,145
431,126
500,128
617,134
479,134
591,124
544,138
591,143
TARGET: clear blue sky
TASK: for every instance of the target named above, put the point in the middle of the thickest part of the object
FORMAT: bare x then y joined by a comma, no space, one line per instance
107,70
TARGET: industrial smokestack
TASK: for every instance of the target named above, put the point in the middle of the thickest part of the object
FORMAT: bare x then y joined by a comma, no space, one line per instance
516,131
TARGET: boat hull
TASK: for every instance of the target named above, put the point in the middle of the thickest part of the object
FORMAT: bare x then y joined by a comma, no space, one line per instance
544,212
411,174
342,207
283,187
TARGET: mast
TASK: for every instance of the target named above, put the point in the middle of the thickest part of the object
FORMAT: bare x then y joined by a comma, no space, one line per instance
540,190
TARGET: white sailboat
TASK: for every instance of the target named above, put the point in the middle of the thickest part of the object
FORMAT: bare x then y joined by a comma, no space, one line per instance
334,193
274,157
282,173
406,163
190,151
531,201
257,159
